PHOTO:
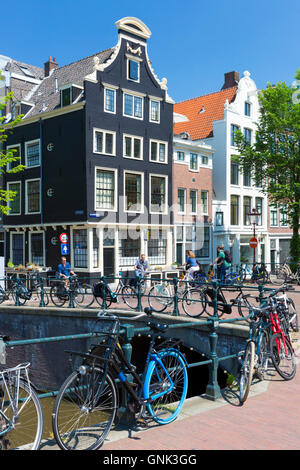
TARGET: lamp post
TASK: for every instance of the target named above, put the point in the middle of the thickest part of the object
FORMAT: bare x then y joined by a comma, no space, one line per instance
253,242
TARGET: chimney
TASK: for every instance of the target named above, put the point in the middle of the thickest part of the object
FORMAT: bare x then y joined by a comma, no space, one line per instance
50,65
231,80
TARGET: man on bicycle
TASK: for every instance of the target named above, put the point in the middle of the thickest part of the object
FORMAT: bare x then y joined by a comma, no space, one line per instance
140,267
64,270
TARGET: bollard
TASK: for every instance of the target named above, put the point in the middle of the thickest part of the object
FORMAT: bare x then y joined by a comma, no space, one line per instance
42,302
213,391
139,294
175,298
71,293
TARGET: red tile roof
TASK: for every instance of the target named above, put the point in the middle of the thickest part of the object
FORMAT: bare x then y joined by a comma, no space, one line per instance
200,125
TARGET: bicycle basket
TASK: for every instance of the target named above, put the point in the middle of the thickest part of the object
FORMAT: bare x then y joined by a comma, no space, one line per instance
98,290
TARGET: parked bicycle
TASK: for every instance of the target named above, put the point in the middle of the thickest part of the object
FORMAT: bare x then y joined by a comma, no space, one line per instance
21,293
86,406
258,273
80,292
21,414
284,274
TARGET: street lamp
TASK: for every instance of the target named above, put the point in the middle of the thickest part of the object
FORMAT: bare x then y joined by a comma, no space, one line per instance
253,242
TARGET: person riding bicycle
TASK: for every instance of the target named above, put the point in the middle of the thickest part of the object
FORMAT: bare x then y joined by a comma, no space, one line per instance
140,267
191,264
221,262
64,270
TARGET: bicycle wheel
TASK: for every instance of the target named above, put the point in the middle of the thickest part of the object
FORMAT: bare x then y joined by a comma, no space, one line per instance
159,298
58,297
84,410
283,357
21,297
263,355
83,296
46,297
108,301
247,372
293,317
243,306
280,277
194,302
166,386
129,296
28,422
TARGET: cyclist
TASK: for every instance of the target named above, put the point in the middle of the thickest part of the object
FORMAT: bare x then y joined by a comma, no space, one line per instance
191,264
222,263
64,270
140,267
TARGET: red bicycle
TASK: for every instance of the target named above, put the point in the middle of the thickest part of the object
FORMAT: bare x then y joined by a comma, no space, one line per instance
281,350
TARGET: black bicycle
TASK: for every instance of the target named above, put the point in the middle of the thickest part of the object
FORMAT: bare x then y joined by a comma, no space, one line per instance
86,405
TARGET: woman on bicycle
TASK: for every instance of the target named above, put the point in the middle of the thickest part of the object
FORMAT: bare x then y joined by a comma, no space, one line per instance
191,264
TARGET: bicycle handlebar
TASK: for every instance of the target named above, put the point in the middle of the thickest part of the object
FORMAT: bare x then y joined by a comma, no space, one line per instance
104,313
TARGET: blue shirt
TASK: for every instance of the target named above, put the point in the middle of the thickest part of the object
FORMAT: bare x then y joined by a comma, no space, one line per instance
141,265
64,269
191,261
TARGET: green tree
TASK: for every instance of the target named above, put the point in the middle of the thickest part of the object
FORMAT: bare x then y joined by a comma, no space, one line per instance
274,158
7,156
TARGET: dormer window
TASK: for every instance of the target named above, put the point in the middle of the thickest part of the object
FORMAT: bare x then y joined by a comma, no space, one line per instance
247,108
133,70
66,97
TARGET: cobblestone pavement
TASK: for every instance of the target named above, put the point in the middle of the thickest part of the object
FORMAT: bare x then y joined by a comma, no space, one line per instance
270,419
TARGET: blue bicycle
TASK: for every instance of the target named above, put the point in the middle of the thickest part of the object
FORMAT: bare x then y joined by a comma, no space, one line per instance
86,406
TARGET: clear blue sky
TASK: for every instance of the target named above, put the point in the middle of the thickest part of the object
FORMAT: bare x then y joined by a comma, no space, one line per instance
193,42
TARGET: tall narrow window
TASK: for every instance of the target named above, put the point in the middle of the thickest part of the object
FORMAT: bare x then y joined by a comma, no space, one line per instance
110,100
66,96
273,215
33,196
105,189
158,151
248,135
234,210
247,108
16,153
204,202
37,248
17,249
15,204
181,200
180,156
246,209
158,194
259,208
234,128
193,161
154,111
234,175
133,70
95,248
132,147
133,106
283,215
80,250
246,177
133,192
193,201
32,153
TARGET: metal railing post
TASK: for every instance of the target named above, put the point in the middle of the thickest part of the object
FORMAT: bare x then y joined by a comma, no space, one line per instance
213,391
104,283
71,303
42,302
17,301
175,298
139,294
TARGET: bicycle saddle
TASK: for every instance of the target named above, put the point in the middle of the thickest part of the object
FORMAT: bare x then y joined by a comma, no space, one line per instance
158,327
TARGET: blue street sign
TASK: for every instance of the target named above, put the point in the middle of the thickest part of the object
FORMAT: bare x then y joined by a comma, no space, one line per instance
65,249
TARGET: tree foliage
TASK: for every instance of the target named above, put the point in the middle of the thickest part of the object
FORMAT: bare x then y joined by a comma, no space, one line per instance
274,158
7,156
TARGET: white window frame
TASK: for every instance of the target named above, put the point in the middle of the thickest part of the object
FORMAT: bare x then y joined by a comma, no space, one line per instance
133,59
44,246
192,169
104,131
207,193
142,192
13,147
272,209
132,137
184,201
158,142
115,171
196,191
134,95
11,245
27,144
7,187
26,196
115,99
152,100
166,195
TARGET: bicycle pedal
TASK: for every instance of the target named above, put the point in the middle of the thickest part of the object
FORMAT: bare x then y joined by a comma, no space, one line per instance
141,423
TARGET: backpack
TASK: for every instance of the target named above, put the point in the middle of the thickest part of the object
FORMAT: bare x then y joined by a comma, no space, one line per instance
227,256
